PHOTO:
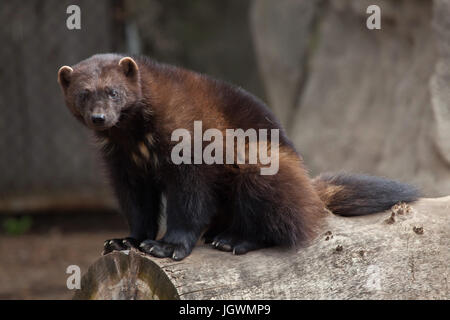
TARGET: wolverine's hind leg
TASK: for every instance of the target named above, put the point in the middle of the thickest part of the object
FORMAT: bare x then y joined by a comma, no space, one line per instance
248,230
220,222
281,209
252,217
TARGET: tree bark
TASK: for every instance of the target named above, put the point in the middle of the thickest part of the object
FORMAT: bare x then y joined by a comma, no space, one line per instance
399,254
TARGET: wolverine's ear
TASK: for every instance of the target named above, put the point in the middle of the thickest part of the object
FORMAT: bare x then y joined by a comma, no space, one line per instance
64,76
129,67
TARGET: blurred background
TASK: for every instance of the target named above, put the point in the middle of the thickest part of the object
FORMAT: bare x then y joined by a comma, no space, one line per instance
354,99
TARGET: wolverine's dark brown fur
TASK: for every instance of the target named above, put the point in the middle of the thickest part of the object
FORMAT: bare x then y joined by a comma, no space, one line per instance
134,105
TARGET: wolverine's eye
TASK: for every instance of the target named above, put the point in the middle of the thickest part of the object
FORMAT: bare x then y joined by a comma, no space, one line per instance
83,96
113,94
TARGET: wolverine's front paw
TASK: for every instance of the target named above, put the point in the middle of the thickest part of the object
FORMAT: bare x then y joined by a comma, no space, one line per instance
162,249
119,245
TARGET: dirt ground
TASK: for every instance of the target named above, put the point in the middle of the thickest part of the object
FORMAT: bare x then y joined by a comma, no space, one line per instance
33,265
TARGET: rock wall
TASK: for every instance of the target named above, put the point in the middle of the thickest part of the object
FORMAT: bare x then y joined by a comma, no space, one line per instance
360,100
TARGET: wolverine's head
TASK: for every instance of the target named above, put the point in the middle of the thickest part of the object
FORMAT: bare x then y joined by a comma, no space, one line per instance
99,90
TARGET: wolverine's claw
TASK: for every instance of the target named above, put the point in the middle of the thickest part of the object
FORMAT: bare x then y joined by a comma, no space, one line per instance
119,245
161,249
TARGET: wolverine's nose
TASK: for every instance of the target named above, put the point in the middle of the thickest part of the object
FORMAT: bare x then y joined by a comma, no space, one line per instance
98,118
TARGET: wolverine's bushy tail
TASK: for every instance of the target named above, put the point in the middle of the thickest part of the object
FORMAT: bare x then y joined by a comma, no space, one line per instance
355,194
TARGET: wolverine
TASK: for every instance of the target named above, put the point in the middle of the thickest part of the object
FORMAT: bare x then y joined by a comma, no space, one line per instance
133,104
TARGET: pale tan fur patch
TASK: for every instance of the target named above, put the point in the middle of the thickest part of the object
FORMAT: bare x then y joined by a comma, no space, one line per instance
136,159
144,151
150,139
155,160
328,191
102,142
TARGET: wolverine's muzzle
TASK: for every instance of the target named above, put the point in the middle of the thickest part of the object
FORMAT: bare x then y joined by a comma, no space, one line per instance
98,119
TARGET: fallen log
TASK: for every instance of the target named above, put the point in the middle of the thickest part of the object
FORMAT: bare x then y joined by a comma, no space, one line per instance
402,253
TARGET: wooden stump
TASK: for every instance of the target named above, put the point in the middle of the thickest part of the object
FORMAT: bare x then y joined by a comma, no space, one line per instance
399,254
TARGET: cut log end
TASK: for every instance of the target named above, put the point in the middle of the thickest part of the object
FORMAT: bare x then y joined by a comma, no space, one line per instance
126,275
